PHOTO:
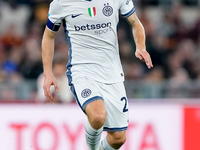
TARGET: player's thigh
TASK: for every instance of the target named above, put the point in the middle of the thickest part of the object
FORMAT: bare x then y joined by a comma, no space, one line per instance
96,111
89,96
86,91
116,105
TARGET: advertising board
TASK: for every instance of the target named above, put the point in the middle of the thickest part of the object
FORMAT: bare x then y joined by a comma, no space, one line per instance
61,127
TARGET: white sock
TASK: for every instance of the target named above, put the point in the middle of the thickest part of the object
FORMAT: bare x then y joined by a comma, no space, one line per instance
92,136
105,145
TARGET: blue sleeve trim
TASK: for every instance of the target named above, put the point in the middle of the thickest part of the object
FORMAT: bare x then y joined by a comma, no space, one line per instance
52,26
91,100
129,13
114,129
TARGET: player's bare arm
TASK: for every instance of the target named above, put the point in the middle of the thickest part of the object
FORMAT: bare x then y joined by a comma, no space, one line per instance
139,37
47,58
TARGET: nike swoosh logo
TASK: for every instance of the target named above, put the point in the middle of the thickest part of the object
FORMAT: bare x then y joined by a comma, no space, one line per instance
74,16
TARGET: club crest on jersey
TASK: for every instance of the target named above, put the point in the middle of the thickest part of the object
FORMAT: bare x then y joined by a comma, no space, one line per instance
85,93
107,10
92,11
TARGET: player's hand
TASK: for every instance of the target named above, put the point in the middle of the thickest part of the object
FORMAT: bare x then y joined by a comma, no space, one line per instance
48,81
144,56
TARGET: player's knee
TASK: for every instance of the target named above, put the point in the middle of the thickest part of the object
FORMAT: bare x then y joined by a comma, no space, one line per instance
118,142
97,120
116,139
96,113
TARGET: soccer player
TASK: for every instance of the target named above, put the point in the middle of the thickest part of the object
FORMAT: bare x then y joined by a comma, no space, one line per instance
94,69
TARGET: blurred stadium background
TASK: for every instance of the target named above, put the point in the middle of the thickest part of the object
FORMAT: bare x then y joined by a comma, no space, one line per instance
173,40
164,101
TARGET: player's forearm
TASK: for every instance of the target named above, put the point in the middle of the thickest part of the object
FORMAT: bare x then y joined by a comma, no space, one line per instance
47,53
139,35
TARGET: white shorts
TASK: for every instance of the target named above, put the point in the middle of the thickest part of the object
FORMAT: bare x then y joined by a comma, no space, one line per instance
114,96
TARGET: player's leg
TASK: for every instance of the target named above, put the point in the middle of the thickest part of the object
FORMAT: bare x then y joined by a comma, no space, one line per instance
90,98
117,117
96,114
114,140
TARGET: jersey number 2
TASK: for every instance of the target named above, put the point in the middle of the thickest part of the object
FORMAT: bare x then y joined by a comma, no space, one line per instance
125,106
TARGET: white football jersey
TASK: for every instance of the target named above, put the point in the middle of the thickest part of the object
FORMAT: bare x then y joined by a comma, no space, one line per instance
91,28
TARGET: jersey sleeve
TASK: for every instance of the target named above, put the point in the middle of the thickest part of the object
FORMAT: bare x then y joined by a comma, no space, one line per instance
127,8
55,16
